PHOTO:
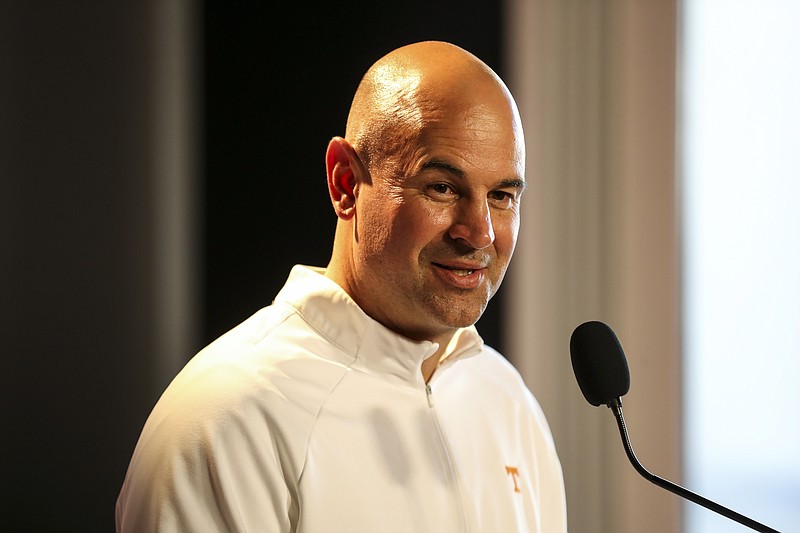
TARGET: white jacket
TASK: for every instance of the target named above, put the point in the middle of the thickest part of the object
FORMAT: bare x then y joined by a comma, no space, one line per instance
312,417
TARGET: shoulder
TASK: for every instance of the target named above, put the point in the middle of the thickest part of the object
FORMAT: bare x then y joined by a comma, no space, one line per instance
231,429
254,384
495,371
494,377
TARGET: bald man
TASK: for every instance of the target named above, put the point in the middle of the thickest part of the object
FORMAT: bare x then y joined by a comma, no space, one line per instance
363,399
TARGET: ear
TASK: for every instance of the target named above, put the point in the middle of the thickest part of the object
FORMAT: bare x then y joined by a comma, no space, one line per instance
344,172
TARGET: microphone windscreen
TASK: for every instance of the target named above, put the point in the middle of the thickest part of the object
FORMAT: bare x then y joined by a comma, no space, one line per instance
599,363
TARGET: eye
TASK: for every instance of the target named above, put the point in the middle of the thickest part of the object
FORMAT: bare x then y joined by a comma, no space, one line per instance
441,190
502,199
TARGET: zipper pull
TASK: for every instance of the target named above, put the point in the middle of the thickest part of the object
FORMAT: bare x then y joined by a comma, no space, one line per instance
429,393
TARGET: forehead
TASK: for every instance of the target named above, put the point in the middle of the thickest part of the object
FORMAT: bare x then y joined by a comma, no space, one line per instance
475,136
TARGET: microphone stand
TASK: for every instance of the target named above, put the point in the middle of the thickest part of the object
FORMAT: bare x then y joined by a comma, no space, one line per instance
616,408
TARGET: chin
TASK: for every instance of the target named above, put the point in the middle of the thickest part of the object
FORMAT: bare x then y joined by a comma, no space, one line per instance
450,311
455,318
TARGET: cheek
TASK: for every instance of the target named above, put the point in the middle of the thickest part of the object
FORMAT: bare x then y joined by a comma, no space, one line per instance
393,232
372,228
403,237
506,231
398,227
373,235
436,219
417,225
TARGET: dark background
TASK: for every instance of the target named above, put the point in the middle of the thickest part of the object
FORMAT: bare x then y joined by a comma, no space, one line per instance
279,79
76,222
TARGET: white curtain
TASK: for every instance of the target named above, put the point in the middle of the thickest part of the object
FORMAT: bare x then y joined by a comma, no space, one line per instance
596,85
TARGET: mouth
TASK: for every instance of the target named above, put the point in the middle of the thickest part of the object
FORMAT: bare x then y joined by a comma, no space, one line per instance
458,271
460,275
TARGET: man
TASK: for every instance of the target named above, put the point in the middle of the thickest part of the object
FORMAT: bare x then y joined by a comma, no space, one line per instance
363,399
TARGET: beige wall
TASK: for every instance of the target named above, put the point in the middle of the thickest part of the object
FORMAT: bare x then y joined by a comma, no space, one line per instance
595,82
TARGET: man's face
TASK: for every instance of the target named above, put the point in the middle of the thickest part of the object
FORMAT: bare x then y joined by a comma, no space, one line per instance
436,228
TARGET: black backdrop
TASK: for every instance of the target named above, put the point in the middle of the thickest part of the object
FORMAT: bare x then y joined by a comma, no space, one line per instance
77,366
279,79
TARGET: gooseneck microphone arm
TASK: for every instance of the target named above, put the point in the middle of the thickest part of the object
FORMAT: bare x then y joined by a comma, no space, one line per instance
616,408
602,373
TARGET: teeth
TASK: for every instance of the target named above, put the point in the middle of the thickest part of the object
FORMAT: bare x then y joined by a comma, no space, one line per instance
457,271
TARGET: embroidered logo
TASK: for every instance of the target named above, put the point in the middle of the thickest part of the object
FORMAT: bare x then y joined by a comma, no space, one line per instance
514,473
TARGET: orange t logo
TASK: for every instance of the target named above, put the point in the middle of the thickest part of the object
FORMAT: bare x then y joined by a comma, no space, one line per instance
514,473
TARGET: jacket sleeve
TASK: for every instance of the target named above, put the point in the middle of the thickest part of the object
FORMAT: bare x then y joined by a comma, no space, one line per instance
209,459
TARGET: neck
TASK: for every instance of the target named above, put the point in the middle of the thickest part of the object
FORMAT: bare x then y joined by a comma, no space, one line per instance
430,364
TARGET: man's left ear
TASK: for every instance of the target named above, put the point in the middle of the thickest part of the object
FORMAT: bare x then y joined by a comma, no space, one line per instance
344,172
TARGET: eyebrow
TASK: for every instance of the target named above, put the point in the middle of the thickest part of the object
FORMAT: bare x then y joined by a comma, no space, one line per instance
515,183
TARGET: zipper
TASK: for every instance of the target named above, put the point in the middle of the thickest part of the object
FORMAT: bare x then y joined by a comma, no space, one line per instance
448,457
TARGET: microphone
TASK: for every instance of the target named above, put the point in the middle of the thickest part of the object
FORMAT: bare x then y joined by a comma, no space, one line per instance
602,373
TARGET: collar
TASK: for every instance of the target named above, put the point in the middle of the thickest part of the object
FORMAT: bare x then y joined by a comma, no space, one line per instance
328,309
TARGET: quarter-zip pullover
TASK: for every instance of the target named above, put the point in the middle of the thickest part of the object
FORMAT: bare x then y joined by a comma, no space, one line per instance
312,417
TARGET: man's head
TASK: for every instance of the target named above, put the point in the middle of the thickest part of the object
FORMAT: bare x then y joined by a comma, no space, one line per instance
426,185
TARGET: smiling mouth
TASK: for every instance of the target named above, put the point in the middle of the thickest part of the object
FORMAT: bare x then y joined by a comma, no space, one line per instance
456,271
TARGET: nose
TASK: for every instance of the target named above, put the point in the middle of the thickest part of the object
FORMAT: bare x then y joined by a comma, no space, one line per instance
473,225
